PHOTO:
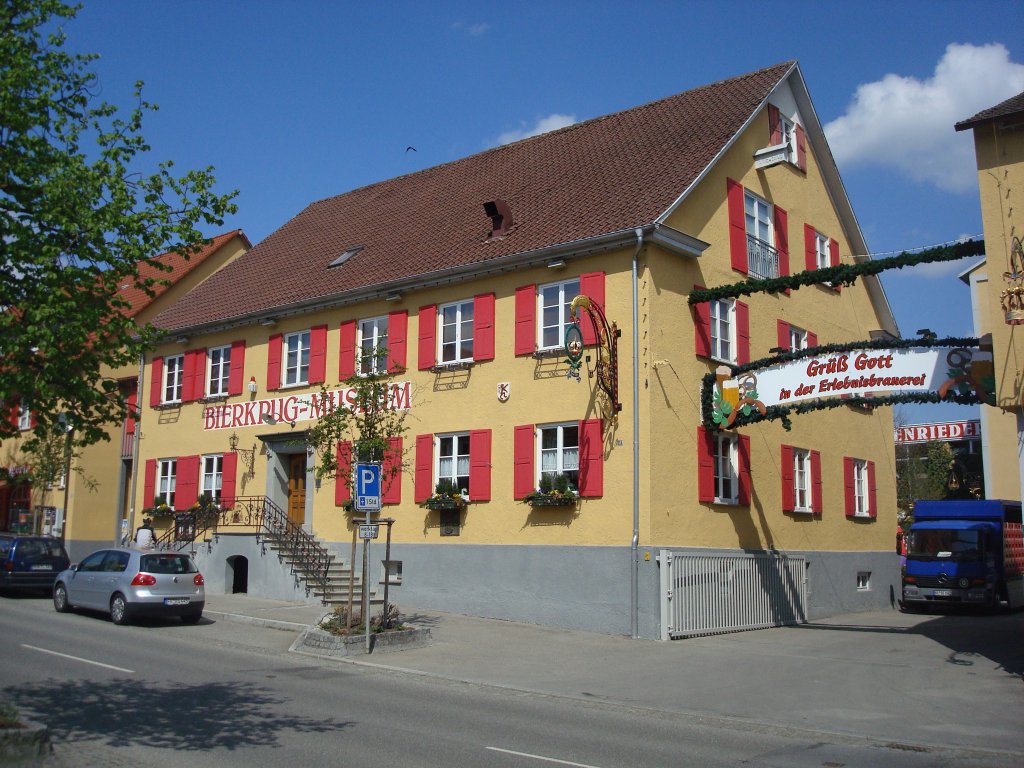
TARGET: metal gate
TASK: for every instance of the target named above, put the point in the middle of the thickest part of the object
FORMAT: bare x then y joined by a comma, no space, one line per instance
711,594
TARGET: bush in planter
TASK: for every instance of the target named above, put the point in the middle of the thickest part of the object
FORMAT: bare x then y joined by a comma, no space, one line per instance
553,490
160,507
446,494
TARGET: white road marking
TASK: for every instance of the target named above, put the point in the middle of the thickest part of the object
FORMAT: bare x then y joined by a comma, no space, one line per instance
540,757
79,658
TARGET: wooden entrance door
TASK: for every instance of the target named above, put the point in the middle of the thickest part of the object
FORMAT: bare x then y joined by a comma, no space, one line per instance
297,488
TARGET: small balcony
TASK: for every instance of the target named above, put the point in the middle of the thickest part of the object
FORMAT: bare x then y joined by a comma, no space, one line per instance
762,259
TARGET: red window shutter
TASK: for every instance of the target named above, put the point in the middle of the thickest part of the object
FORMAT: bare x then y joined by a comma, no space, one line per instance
705,465
274,361
849,487
427,329
480,465
318,354
132,403
149,483
228,472
788,492
812,339
237,369
782,240
810,248
774,126
522,451
186,486
591,458
816,494
12,416
801,149
156,382
343,456
744,462
347,350
783,334
833,256
592,285
742,333
737,226
872,491
526,319
398,335
424,477
483,327
194,385
702,326
392,470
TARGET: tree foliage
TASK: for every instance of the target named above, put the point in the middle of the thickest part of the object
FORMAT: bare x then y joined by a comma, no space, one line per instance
81,209
368,420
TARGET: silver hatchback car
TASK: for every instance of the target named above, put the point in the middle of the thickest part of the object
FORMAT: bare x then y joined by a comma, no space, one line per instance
127,582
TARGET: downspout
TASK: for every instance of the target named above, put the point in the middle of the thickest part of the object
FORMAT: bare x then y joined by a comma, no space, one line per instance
139,387
634,573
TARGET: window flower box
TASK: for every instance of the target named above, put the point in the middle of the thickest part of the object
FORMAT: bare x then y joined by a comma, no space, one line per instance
554,491
447,495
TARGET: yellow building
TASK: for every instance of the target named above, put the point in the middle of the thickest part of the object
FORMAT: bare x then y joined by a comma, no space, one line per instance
998,303
465,271
97,492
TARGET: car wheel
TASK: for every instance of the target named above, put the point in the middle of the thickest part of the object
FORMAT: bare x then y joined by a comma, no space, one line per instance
191,618
60,599
118,609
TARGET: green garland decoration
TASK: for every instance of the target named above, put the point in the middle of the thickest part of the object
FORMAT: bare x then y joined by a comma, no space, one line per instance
782,412
844,274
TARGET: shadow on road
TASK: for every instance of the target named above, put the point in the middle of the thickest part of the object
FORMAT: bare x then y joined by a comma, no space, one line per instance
195,718
969,635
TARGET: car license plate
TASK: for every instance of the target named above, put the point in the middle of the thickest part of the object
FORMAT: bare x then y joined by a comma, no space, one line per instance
943,593
176,601
40,567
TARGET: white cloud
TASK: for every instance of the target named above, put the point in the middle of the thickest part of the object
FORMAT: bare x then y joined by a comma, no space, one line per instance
907,124
473,30
544,124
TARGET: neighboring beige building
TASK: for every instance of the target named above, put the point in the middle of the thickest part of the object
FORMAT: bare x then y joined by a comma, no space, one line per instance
999,147
467,271
99,492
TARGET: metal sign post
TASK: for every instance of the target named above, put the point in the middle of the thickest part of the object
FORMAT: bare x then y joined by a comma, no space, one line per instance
367,499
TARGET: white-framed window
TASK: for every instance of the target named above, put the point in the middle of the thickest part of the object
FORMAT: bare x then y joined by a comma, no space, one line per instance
455,323
762,257
822,254
723,329
802,480
558,446
174,377
166,479
553,309
726,459
212,476
296,359
788,131
453,459
24,417
797,338
218,371
860,488
372,343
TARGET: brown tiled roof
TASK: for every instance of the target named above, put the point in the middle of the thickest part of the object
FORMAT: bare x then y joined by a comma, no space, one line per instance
1013,105
604,175
180,266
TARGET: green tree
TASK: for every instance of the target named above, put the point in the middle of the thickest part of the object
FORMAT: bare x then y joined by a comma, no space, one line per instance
368,420
79,214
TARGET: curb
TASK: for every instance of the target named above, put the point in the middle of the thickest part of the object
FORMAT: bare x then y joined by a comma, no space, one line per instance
287,626
26,746
316,642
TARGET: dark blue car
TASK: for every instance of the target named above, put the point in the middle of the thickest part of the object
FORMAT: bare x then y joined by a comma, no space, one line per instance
31,562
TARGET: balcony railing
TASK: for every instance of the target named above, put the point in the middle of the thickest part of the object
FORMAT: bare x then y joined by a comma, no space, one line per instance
762,259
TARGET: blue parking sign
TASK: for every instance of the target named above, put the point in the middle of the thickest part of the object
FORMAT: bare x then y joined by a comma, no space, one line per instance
367,495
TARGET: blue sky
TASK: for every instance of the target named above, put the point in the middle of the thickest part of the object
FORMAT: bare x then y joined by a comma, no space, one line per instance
296,101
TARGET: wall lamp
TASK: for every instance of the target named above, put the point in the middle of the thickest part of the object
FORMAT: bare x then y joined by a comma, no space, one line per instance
268,321
181,340
252,385
393,297
556,264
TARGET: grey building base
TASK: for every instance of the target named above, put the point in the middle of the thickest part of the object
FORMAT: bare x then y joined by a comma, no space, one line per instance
226,557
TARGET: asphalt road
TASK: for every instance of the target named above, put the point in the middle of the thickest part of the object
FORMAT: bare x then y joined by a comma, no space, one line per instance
224,694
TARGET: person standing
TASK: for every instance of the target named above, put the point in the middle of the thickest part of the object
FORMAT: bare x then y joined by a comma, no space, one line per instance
144,536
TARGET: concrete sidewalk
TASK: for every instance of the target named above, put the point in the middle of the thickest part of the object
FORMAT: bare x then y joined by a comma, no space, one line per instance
923,681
